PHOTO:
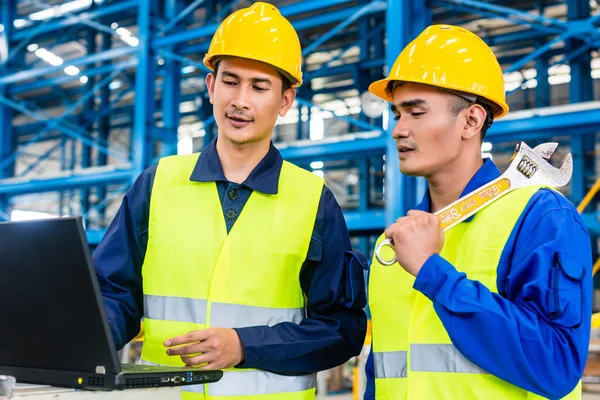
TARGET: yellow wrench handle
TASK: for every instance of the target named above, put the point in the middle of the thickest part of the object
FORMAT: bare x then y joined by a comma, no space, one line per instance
458,211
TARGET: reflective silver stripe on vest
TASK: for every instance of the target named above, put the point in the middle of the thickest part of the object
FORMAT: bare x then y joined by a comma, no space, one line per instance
222,315
423,358
391,364
440,358
254,382
182,309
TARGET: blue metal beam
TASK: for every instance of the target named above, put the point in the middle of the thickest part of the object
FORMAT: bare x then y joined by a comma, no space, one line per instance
64,78
542,90
555,121
144,90
223,12
364,10
538,22
55,123
39,159
175,18
98,57
361,124
538,52
592,221
66,183
364,52
40,27
581,89
288,11
345,148
171,94
344,69
103,130
88,107
404,21
7,139
514,37
118,7
371,220
183,60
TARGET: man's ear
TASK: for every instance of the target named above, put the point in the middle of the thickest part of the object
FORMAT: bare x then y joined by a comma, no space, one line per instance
210,85
288,100
475,116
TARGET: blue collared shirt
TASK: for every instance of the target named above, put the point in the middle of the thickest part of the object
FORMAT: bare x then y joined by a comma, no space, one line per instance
533,333
331,277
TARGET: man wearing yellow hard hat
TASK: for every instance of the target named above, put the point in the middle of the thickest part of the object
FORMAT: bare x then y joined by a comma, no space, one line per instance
498,307
236,259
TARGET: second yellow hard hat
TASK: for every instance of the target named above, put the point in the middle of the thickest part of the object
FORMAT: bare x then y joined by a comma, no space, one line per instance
453,58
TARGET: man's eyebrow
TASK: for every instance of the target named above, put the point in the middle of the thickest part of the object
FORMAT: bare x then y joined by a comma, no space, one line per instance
412,103
407,104
254,80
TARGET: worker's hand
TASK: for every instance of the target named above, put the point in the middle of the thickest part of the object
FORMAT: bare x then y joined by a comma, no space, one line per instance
219,347
416,237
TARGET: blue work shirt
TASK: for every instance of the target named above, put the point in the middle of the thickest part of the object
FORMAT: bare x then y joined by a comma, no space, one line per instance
331,277
533,333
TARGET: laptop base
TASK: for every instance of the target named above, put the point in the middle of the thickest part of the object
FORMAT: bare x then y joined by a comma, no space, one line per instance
107,382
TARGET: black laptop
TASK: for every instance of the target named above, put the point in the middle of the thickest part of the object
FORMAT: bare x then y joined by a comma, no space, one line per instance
53,325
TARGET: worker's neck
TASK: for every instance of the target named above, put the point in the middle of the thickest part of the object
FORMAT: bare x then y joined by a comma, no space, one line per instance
239,160
446,186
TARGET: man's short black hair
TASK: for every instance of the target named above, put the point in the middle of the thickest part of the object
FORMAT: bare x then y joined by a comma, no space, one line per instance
285,82
457,104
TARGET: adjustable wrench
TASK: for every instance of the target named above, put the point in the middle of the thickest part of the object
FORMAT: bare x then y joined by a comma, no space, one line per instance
527,167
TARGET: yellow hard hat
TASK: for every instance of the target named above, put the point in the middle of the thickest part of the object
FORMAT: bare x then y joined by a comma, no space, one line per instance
259,33
452,58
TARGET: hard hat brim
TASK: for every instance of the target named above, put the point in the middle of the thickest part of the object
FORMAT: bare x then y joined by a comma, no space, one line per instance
379,89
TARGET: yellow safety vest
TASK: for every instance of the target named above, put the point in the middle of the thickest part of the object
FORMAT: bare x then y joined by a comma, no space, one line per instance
413,355
196,275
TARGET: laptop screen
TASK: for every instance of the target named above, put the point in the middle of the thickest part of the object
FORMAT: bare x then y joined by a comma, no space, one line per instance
51,311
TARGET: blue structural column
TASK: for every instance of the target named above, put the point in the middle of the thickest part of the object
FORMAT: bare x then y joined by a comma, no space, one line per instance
205,110
104,121
542,90
171,94
405,19
88,109
7,143
581,88
141,143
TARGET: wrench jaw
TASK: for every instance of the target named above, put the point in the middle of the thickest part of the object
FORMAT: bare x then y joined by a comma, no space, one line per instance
566,170
545,150
532,166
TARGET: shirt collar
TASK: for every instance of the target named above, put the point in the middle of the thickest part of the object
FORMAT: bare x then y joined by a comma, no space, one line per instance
264,178
485,174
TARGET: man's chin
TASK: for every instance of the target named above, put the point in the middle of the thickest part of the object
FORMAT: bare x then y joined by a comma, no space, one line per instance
408,171
240,140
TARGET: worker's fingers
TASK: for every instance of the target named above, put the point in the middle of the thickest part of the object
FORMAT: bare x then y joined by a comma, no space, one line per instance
194,348
190,337
212,366
416,213
198,360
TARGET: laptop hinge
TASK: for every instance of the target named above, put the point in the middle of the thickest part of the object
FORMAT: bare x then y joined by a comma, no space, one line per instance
100,369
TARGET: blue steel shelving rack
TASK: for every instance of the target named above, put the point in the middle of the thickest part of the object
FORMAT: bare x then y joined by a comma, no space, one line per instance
100,137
